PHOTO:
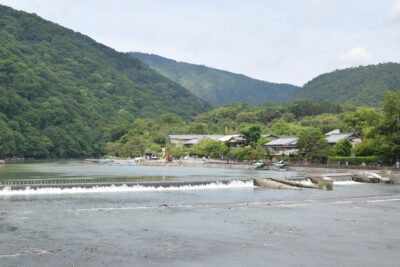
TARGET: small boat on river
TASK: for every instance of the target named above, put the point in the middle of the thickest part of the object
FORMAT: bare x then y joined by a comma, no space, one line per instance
261,165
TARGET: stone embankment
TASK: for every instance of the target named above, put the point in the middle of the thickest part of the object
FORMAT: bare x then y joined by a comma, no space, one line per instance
370,177
277,183
268,183
358,172
321,181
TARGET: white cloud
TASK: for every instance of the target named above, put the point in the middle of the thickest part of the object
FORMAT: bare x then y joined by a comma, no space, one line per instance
394,12
323,8
356,56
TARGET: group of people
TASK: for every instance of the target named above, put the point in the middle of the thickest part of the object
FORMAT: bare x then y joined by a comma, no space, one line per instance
363,164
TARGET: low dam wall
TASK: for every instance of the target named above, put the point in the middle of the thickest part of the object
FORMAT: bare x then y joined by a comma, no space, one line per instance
166,184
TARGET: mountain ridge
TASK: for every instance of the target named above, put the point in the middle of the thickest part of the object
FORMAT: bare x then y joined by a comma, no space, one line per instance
363,85
60,89
218,87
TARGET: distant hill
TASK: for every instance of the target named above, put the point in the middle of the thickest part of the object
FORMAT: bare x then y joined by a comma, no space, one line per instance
359,86
217,86
59,89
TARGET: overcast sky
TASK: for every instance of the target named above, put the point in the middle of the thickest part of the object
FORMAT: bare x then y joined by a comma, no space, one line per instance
288,41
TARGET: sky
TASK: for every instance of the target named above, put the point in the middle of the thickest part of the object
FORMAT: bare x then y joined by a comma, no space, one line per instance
288,41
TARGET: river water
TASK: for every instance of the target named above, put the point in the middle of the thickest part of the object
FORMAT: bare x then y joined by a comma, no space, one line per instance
214,225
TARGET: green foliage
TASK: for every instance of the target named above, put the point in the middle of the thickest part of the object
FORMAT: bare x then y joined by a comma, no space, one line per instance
391,108
248,153
64,95
329,186
252,134
216,86
325,122
210,148
178,152
199,128
60,91
355,160
281,127
272,118
384,139
360,86
241,153
313,143
134,147
321,185
160,138
170,118
366,147
8,143
342,148
303,108
362,118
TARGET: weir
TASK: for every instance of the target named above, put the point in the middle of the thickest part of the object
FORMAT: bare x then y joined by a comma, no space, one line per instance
339,177
83,183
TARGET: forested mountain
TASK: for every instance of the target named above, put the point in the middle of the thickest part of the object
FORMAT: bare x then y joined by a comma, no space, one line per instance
59,89
217,86
359,86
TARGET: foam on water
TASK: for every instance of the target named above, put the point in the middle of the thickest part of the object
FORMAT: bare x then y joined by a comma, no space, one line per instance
122,188
308,182
345,183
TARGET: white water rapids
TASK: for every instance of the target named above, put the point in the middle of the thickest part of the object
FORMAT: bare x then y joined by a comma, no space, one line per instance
7,191
122,188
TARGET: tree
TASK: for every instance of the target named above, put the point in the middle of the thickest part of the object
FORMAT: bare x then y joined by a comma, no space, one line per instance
178,151
7,142
135,147
170,118
198,128
210,148
281,127
160,138
342,148
391,108
313,143
362,118
241,153
390,128
252,134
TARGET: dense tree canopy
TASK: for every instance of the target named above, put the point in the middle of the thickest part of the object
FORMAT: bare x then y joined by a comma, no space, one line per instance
217,86
342,148
313,143
364,85
61,90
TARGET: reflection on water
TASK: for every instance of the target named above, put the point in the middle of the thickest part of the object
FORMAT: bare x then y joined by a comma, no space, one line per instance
74,171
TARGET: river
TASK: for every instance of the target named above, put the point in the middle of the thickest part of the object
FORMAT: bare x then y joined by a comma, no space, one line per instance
215,225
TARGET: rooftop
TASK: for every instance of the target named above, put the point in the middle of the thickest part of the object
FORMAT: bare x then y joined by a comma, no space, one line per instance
283,141
334,138
336,131
195,136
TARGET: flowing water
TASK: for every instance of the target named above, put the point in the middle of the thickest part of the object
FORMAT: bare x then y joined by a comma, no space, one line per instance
216,224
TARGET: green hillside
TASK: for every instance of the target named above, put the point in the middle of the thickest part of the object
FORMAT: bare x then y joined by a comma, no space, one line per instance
359,86
60,89
216,86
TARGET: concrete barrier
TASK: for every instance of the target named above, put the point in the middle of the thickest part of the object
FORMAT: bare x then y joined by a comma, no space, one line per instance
165,184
